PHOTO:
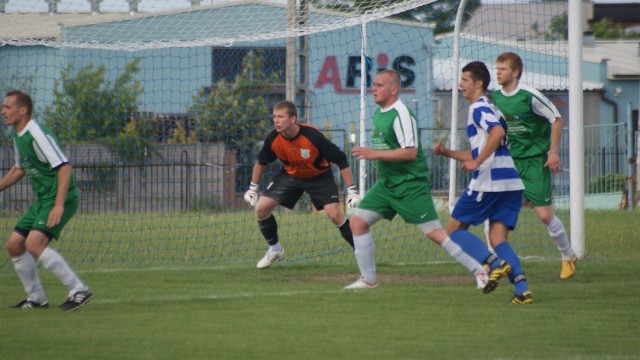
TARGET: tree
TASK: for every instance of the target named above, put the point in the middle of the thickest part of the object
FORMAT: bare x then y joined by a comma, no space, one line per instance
89,108
558,28
442,12
237,113
609,29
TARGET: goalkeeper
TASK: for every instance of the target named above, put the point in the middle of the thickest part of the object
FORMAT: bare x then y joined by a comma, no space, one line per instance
306,156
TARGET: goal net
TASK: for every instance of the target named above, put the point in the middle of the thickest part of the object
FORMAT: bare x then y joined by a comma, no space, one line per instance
162,107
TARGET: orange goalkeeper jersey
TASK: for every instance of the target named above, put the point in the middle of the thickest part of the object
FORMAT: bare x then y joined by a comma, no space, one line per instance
306,156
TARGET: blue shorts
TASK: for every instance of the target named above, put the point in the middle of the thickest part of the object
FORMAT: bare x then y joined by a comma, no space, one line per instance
474,209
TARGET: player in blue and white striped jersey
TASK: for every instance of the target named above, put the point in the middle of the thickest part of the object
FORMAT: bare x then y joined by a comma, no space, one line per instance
495,190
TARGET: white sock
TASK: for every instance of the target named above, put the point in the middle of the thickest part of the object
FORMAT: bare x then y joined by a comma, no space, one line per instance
274,248
365,257
53,262
462,257
559,235
28,273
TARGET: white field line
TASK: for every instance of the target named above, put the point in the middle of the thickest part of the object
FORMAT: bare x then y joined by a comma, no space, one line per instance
211,297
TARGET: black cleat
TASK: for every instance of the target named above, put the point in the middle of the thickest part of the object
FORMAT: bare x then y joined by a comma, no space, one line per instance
28,304
76,300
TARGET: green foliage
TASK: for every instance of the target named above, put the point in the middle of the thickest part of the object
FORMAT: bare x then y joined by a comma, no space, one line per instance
607,184
558,28
133,143
236,114
180,136
87,106
442,13
609,29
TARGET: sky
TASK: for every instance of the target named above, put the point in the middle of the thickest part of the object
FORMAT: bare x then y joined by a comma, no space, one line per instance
66,6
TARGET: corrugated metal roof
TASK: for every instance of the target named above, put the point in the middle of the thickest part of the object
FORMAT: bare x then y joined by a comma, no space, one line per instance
443,70
623,57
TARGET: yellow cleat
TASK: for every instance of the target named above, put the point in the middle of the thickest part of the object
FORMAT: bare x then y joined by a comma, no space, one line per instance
524,299
568,268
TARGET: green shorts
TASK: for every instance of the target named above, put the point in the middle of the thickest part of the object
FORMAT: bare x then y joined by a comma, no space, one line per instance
37,215
412,201
536,178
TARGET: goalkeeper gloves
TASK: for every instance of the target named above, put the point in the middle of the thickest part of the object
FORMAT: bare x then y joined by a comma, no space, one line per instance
353,198
251,196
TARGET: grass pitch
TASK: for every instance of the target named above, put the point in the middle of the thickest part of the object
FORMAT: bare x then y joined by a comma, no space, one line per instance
299,311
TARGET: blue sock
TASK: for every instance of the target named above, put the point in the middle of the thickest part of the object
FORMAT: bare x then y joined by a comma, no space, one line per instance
471,244
505,252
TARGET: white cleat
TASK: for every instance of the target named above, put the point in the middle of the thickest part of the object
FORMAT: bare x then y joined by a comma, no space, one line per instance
481,279
361,284
269,258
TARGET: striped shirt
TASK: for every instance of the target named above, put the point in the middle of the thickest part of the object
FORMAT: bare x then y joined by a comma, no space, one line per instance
497,173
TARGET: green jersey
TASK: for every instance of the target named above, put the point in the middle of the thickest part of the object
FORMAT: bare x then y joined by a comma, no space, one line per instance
529,116
38,153
393,128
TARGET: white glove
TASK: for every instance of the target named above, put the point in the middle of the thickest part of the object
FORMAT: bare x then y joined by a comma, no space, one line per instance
353,198
251,196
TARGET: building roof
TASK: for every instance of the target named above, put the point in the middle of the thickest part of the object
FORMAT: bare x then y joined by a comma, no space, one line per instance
444,69
622,56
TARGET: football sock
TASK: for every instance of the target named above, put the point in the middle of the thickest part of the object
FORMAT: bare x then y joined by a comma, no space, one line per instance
471,245
25,266
516,276
53,262
465,259
269,229
365,256
345,231
559,235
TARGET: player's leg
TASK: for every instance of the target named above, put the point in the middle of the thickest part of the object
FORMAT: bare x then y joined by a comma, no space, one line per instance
503,220
324,195
537,180
25,267
37,244
284,191
269,229
338,218
498,235
372,208
559,235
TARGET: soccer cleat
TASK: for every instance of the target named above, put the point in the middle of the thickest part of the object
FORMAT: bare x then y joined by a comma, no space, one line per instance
495,275
28,304
568,268
269,258
76,300
482,278
361,284
524,299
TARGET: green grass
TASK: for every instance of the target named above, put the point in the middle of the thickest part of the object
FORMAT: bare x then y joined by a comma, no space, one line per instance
298,310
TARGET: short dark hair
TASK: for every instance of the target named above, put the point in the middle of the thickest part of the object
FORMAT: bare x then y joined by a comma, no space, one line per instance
479,72
287,105
22,100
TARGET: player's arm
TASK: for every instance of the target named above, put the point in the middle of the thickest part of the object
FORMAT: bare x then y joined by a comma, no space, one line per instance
553,158
13,176
64,179
440,149
496,134
393,155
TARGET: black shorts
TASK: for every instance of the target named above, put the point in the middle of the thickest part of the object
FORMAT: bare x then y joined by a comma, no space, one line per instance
286,190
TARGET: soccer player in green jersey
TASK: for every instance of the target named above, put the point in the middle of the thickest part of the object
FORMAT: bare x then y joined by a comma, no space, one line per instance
38,156
403,182
534,132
